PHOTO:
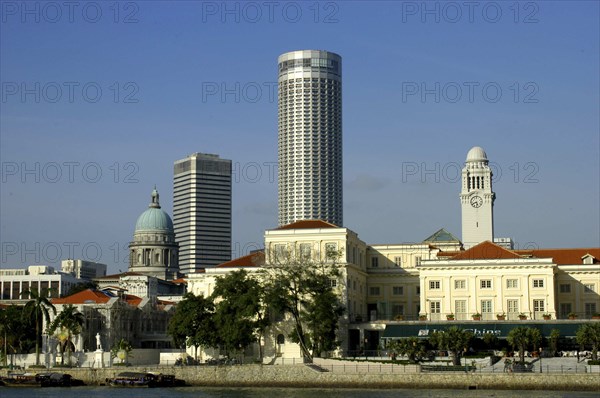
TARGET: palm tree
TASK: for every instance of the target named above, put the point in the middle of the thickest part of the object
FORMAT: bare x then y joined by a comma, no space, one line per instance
38,307
70,321
589,334
454,339
523,338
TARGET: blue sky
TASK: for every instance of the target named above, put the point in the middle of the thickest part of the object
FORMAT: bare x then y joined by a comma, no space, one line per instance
100,100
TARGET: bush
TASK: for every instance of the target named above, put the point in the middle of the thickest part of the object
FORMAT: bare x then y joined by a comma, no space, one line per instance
590,362
37,367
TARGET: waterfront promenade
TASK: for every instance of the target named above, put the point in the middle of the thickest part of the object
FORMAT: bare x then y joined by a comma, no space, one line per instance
305,376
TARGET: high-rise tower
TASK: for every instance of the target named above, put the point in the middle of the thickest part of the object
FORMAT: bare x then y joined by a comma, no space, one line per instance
477,199
310,137
202,211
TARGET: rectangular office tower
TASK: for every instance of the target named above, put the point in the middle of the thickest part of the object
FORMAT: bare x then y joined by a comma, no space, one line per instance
310,137
202,211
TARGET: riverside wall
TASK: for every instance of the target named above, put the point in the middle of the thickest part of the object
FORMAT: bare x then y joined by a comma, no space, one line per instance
303,376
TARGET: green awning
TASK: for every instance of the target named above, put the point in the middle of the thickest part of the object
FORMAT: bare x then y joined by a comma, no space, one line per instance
500,329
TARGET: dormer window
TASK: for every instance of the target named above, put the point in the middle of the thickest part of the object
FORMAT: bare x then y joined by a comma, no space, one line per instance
588,259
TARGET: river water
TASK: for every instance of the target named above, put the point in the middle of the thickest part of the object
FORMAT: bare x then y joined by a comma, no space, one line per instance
211,392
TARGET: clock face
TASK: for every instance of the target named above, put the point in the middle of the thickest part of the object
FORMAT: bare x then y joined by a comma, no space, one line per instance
476,201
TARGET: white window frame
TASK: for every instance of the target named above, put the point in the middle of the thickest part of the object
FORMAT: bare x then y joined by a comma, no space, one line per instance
538,283
460,284
512,283
485,283
435,285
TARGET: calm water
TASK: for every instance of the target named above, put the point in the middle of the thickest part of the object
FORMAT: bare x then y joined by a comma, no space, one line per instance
201,392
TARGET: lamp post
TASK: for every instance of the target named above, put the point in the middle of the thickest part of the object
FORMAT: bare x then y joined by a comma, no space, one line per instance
540,359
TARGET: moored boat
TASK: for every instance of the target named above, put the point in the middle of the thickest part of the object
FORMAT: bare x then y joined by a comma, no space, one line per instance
21,380
141,379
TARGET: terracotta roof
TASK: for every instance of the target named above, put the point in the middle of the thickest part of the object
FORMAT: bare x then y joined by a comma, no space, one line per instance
308,224
84,297
255,259
134,301
180,280
563,256
486,251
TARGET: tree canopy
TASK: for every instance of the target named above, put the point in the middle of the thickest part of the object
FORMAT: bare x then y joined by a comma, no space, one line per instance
454,339
588,334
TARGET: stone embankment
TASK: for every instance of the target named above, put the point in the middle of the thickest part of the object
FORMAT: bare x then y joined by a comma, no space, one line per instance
303,376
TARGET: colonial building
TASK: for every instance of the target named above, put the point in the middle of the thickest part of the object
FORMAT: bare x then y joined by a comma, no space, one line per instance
154,251
434,282
141,321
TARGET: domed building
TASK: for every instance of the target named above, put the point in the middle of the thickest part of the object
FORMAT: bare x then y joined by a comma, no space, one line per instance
154,251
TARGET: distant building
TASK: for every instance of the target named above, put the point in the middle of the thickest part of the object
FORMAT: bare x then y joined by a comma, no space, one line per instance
141,321
42,278
202,211
477,199
310,137
141,285
83,269
154,251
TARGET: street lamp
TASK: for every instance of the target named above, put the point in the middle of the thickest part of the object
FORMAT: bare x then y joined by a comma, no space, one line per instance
540,359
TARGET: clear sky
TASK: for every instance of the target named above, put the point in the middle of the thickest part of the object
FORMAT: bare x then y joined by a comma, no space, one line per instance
100,98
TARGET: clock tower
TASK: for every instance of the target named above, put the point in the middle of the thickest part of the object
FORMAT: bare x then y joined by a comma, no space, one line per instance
477,199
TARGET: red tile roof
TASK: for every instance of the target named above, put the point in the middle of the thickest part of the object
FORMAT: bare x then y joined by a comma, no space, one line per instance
563,256
255,259
83,297
308,224
486,251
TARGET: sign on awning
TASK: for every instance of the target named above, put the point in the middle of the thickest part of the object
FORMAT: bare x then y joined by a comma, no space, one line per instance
500,329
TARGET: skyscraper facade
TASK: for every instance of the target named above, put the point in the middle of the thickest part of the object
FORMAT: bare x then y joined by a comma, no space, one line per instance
310,137
202,211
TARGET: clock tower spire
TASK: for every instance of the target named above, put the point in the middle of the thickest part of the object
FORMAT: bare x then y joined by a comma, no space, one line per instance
477,199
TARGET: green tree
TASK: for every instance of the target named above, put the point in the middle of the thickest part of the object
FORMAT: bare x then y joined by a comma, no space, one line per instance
38,308
69,322
414,348
454,339
17,332
298,285
240,315
553,340
588,334
523,338
192,324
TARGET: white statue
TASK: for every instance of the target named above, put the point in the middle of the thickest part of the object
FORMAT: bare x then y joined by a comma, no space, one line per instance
98,344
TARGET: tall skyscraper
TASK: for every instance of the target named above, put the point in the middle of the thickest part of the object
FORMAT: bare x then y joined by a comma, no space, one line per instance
310,137
202,211
477,199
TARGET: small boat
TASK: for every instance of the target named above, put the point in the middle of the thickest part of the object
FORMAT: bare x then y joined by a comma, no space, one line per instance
50,379
140,379
21,380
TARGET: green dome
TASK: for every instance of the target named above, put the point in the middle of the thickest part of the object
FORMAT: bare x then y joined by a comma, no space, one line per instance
154,219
